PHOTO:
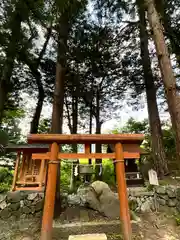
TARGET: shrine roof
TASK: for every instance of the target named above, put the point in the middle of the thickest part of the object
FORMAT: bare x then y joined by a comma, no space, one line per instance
27,147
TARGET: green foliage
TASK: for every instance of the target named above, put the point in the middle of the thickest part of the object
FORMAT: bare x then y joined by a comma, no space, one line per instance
10,125
10,131
4,187
6,177
133,126
169,142
65,175
108,173
44,126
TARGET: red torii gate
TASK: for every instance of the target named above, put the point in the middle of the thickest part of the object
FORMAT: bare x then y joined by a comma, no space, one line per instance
126,145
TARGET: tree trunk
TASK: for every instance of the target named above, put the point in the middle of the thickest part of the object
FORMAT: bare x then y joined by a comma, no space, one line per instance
98,168
3,98
159,156
90,126
88,176
74,131
58,100
57,115
166,71
12,49
75,114
34,65
169,31
38,110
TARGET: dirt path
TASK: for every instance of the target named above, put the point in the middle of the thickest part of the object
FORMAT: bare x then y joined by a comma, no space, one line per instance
158,226
154,226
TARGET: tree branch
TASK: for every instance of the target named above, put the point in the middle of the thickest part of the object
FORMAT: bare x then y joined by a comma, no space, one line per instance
43,50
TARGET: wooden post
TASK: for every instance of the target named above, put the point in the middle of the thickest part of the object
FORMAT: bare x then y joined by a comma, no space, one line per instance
122,191
48,211
41,172
16,171
87,148
23,163
88,151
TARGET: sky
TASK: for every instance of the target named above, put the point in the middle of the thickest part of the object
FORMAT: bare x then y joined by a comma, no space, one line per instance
124,114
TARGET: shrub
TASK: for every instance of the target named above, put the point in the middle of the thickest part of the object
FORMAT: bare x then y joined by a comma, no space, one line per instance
108,173
4,187
6,177
65,175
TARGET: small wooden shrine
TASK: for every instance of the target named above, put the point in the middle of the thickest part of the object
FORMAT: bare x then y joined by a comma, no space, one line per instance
29,173
133,174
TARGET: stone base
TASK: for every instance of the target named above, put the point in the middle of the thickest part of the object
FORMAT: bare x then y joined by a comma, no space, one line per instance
21,204
101,236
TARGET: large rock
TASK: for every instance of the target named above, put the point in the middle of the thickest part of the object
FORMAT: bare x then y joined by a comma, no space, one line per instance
89,197
99,197
100,187
109,203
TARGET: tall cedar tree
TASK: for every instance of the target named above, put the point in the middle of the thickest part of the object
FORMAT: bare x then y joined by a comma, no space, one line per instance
158,151
68,14
170,24
168,78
